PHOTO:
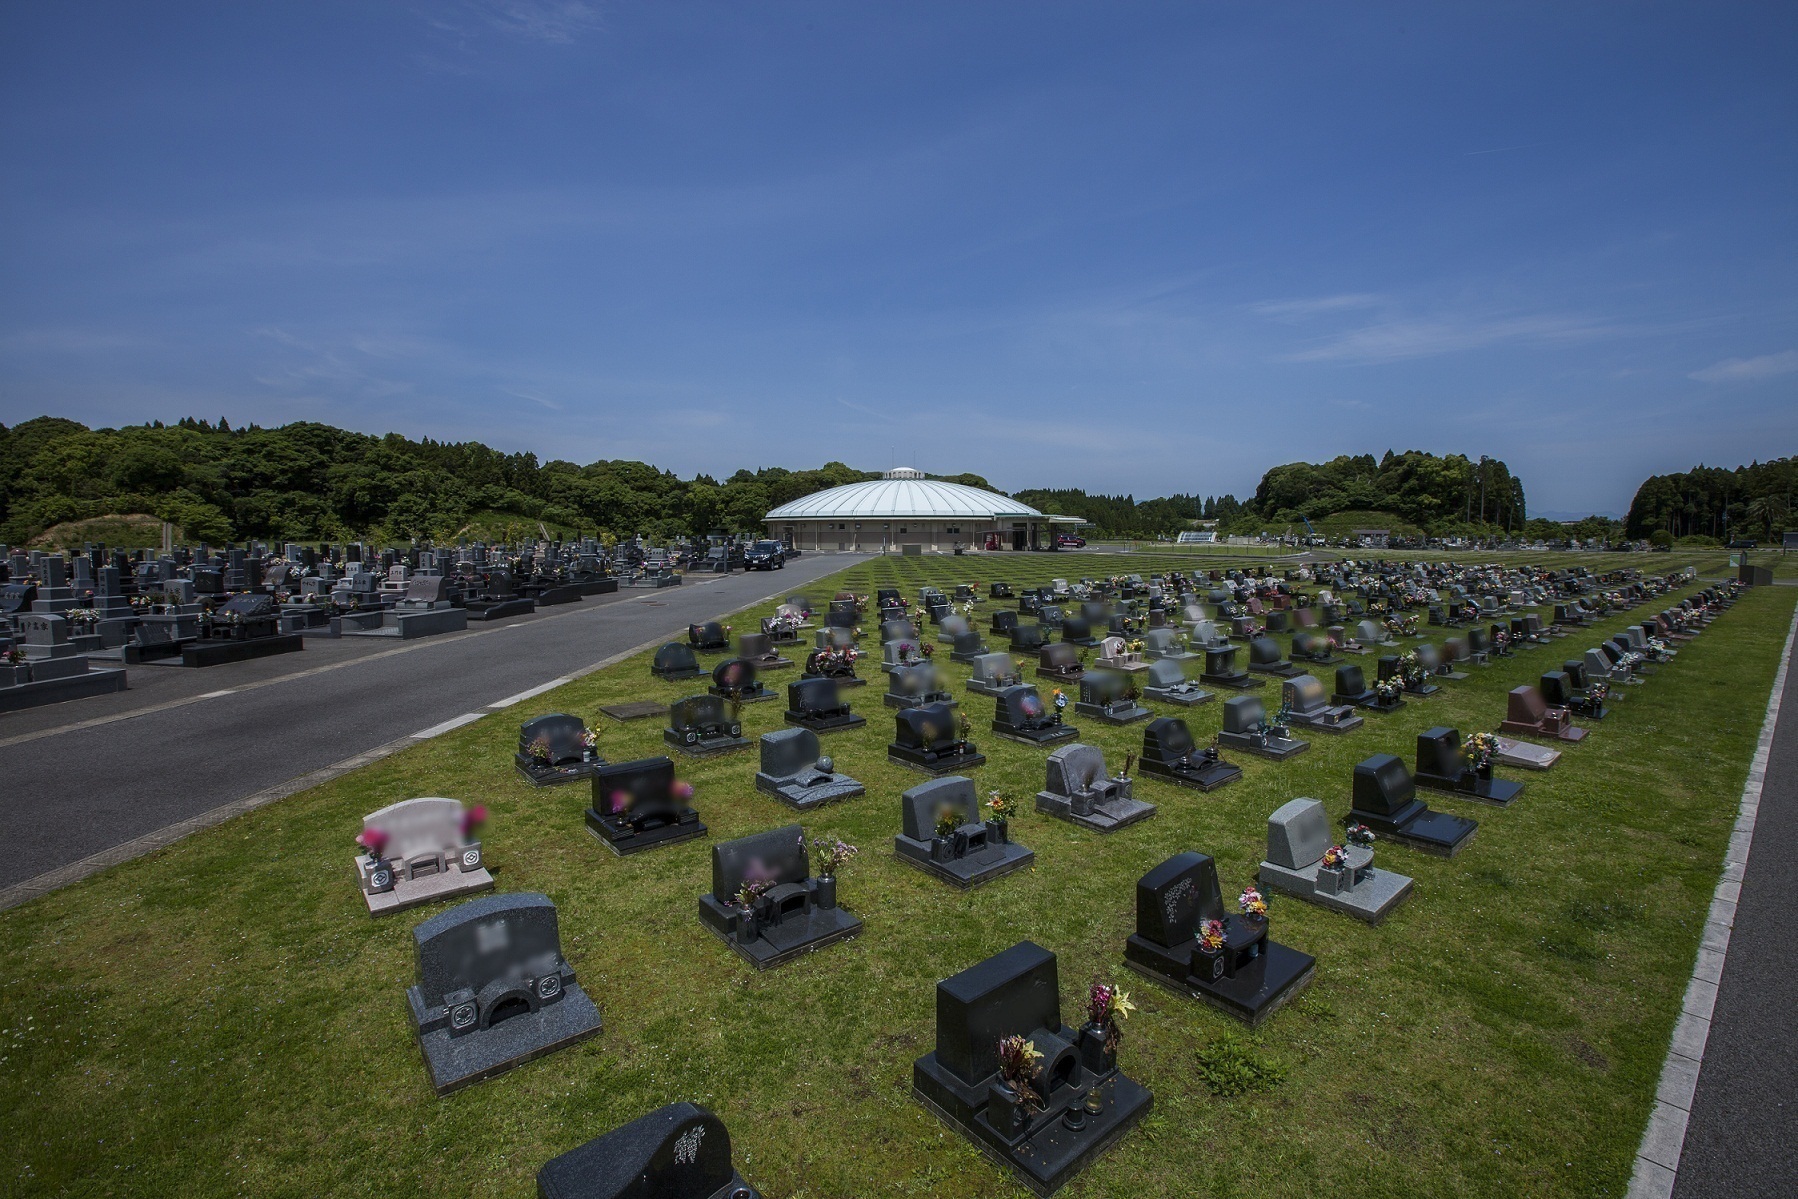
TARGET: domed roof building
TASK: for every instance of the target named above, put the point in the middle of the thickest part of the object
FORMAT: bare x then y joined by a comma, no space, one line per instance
903,509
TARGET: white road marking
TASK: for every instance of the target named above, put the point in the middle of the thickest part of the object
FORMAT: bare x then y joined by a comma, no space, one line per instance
216,694
524,695
437,730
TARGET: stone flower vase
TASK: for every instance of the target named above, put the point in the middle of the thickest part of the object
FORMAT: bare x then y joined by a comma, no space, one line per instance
746,929
1005,1110
998,832
942,849
1080,803
825,894
1093,1054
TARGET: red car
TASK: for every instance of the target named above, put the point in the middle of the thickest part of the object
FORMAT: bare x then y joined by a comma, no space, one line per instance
1068,541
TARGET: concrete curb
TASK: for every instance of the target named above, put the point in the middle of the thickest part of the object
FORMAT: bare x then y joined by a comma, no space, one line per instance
1657,1159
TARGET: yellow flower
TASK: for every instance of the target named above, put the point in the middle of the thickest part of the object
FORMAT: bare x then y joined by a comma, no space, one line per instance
1121,1007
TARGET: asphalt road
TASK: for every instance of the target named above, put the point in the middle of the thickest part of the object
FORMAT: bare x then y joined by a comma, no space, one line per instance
1742,1135
81,778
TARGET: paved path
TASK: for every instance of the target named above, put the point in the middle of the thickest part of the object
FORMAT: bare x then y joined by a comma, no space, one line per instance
95,781
1742,1135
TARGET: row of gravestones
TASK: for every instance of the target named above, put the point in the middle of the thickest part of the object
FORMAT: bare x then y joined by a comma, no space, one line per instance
494,989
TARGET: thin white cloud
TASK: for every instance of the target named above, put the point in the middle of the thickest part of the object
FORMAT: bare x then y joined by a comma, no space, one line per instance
560,21
1747,370
1404,337
1310,307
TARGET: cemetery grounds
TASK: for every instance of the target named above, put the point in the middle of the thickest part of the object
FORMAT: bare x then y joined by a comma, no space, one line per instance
224,1018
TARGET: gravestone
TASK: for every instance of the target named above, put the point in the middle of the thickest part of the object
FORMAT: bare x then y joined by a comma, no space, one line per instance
759,651
701,726
417,851
1220,670
1017,993
993,673
1247,976
681,1151
1527,714
915,685
1117,654
1165,644
554,749
640,805
1385,800
674,662
794,772
1306,707
1265,658
493,989
1442,766
734,681
966,647
1081,791
943,835
709,637
1022,715
1110,697
792,916
1169,754
1298,839
1167,683
815,705
929,739
1028,638
1059,663
1247,727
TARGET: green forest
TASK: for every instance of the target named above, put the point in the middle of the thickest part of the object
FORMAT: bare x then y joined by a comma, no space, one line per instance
1753,502
311,482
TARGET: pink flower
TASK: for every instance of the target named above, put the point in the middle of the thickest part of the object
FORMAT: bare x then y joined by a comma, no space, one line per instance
620,801
682,790
372,839
473,819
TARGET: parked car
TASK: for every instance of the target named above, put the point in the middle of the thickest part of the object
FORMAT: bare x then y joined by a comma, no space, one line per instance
765,555
1068,541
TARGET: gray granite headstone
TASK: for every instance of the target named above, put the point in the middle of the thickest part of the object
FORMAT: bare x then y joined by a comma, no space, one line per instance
1298,833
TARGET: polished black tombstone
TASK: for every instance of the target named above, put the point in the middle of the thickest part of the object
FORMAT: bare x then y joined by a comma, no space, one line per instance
966,647
1169,754
708,638
1558,691
1305,705
794,771
1085,1103
1059,663
1023,715
553,749
833,664
966,855
1441,766
1311,648
1220,670
1075,630
1004,621
1248,976
1385,800
674,662
734,681
1111,698
929,739
244,627
1028,638
758,648
1352,689
701,726
814,703
791,915
998,591
639,805
1264,658
681,1151
493,989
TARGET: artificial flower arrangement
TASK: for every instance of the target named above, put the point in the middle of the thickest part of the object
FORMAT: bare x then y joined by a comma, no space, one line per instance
539,751
1360,834
962,724
1389,690
1335,858
472,819
1018,1060
927,649
1061,699
948,819
15,656
756,883
834,853
589,739
1410,667
999,806
1597,690
372,841
1478,750
1108,1006
1252,903
1211,936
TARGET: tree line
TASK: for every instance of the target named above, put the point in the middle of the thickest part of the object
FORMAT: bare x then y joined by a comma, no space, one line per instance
1750,502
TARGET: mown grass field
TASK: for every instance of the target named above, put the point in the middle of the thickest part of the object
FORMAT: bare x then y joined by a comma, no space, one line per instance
223,1017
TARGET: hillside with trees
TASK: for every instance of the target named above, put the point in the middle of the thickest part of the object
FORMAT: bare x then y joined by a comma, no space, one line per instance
1441,495
1754,501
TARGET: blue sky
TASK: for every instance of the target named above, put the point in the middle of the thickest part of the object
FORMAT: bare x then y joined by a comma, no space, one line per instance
1131,247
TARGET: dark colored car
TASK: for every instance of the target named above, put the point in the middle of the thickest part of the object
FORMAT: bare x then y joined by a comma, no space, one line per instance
1069,541
765,555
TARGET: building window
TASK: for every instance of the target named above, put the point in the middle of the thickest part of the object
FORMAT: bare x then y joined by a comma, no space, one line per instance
953,529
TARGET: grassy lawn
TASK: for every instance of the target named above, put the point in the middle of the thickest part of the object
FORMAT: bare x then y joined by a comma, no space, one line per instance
223,1017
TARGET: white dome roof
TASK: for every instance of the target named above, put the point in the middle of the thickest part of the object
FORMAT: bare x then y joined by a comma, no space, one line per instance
904,492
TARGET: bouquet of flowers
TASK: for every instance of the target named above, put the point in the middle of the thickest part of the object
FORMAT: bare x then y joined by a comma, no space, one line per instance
1335,858
1108,1006
539,751
757,882
1360,834
590,739
372,841
927,649
948,819
834,853
1478,750
999,806
1017,1066
1410,668
1060,697
1596,691
1252,903
473,818
1211,936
